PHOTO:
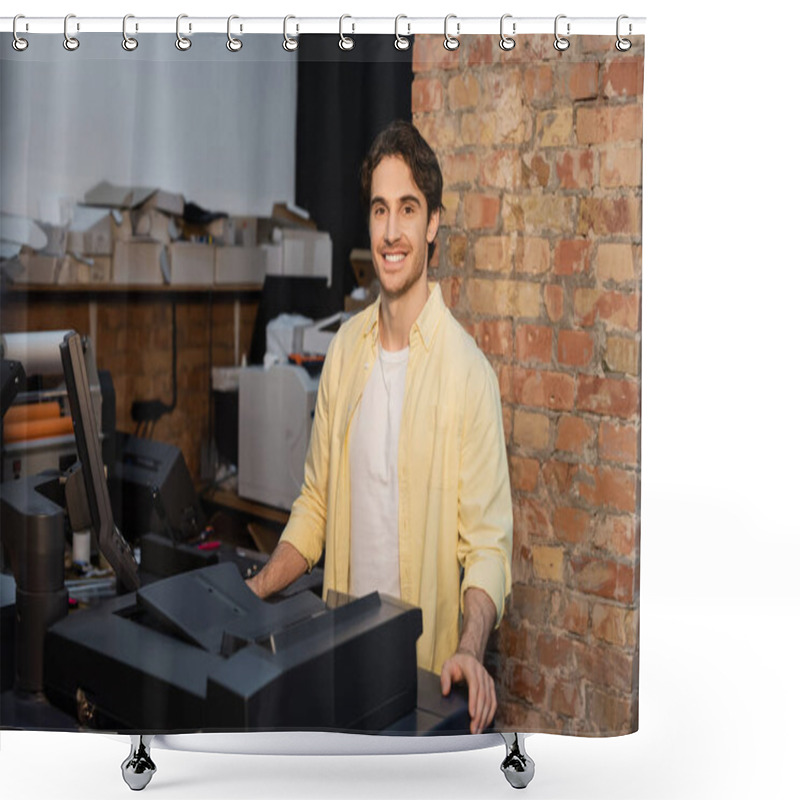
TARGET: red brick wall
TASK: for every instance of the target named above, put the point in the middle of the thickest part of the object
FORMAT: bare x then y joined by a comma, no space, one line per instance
134,342
539,257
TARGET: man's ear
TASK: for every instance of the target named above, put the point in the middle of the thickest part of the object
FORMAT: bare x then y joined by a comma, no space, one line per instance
433,226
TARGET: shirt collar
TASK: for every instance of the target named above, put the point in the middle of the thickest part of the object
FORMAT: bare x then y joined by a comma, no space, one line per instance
425,324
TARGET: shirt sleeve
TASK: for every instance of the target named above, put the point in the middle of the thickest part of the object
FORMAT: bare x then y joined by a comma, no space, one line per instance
485,512
307,521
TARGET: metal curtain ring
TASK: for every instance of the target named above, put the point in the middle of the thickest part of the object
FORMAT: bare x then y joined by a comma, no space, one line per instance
128,42
623,45
345,42
19,44
290,43
561,43
400,42
451,42
181,42
233,44
70,42
506,42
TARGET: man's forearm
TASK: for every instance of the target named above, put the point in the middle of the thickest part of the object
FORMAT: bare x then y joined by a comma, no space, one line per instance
479,618
284,567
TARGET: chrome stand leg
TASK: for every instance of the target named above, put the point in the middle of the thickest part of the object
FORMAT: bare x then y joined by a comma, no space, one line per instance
138,768
518,766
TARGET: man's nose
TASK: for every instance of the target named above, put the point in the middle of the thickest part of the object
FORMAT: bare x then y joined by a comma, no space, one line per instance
392,231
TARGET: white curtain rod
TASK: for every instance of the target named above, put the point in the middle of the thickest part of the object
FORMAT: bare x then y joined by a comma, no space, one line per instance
456,26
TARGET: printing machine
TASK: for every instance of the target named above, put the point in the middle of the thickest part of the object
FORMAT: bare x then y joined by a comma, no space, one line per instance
195,650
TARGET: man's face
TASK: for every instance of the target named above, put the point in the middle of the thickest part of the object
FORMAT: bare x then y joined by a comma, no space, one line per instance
399,227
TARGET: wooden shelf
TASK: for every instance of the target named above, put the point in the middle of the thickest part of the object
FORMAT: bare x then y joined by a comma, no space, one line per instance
114,288
231,500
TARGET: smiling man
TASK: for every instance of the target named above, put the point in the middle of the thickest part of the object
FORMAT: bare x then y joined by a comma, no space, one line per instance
406,482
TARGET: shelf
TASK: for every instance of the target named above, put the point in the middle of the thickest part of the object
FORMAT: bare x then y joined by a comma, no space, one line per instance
114,288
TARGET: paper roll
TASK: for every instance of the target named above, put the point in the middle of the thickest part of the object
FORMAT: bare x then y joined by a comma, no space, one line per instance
37,351
81,547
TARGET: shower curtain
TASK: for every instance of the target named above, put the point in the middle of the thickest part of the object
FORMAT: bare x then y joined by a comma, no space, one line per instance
131,184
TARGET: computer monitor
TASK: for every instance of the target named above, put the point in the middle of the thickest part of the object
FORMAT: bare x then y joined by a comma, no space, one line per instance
87,440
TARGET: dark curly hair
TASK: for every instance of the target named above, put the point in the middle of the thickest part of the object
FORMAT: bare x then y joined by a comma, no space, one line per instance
402,139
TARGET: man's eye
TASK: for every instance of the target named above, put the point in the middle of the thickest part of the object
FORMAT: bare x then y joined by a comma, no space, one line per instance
408,210
377,211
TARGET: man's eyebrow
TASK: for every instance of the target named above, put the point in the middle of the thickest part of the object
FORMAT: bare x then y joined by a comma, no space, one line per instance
408,198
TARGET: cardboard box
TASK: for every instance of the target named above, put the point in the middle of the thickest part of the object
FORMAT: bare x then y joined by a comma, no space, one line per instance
140,263
191,263
91,232
364,269
107,195
37,268
90,270
307,254
155,225
168,202
246,264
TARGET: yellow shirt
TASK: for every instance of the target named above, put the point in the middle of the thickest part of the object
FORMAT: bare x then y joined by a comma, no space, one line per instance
454,490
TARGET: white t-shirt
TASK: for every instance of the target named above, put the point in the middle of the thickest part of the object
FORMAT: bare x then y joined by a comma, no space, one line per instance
374,558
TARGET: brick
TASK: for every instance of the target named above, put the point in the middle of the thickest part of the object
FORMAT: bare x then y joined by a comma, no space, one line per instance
463,91
480,49
509,298
537,82
612,488
524,473
451,291
531,519
440,130
572,615
481,211
449,215
428,54
526,299
615,263
554,302
533,255
493,253
456,250
503,98
501,169
603,578
616,534
572,525
616,309
571,256
609,124
461,168
610,714
477,129
493,336
622,355
618,443
621,166
535,170
575,169
554,652
548,563
543,389
605,666
578,80
567,699
427,94
538,212
623,77
574,435
531,603
505,381
558,477
575,348
614,625
534,343
531,430
554,127
607,216
507,417
514,640
526,683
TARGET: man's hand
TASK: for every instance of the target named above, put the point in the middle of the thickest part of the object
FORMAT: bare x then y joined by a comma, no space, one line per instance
464,667
285,566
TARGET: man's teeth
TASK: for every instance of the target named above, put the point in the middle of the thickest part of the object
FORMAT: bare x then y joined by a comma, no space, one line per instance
395,256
